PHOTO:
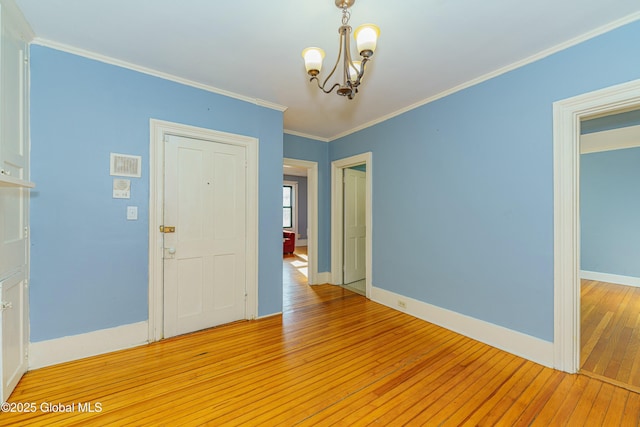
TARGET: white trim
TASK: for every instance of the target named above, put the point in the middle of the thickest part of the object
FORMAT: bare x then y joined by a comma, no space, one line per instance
266,316
158,131
74,347
305,135
533,58
312,216
323,278
337,167
610,278
567,115
614,139
301,242
523,345
150,71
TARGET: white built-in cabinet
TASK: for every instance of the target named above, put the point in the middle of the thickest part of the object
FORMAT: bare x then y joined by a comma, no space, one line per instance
14,196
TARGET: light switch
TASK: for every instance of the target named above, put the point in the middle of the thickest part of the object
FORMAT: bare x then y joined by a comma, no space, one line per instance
132,213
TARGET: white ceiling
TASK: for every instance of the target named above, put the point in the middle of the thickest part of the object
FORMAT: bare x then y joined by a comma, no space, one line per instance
252,48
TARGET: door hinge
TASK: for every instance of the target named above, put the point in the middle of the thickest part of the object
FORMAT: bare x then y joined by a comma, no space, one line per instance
26,232
5,305
26,353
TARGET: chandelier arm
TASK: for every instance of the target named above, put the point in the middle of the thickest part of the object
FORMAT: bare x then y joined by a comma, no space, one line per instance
360,72
335,66
322,87
347,56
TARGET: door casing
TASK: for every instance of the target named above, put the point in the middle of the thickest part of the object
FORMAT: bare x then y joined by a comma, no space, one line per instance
158,130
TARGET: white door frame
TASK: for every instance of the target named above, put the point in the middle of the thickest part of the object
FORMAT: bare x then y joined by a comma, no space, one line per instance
567,115
158,130
312,215
337,255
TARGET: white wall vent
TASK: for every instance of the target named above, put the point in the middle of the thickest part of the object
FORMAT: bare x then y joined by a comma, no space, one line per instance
126,165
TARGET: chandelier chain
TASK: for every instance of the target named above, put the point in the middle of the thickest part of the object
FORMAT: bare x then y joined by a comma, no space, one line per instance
346,15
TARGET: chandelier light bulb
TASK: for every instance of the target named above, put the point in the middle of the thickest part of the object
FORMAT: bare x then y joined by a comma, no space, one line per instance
313,57
354,70
366,36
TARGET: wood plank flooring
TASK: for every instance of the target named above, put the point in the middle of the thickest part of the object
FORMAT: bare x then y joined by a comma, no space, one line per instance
610,332
332,358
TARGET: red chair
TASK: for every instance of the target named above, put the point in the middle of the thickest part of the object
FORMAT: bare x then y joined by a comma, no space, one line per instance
288,242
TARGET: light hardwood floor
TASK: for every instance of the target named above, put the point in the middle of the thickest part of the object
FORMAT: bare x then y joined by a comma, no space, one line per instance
610,332
332,358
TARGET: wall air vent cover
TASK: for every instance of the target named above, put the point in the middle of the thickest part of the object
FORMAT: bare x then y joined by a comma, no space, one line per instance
126,165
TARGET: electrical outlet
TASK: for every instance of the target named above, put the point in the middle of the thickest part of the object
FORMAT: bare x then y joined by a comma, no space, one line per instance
132,213
402,304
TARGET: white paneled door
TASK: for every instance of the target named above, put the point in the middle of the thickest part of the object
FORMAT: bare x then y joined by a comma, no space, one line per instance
205,256
14,206
354,225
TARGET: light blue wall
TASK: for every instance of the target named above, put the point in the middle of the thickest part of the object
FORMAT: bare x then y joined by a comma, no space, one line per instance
89,265
463,186
300,203
296,147
609,212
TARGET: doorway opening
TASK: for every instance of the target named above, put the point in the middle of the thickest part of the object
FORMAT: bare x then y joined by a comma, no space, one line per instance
301,219
351,220
567,117
610,248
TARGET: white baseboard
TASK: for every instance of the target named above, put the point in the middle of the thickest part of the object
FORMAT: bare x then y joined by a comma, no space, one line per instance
610,278
523,345
266,316
65,349
323,278
301,242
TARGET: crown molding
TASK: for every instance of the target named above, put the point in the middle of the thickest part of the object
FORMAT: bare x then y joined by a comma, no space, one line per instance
306,135
166,76
533,58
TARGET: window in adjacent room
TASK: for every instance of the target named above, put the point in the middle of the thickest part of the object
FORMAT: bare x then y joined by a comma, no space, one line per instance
287,206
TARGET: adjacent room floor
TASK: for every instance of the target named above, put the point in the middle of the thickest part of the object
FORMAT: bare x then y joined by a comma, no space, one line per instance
610,332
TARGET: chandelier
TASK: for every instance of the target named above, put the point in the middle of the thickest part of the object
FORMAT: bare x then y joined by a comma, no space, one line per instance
352,71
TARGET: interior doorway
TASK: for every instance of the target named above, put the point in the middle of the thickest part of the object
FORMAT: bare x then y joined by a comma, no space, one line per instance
567,116
610,248
293,168
351,240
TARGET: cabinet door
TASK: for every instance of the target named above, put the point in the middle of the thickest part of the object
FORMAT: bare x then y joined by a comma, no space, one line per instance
13,327
14,201
14,152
